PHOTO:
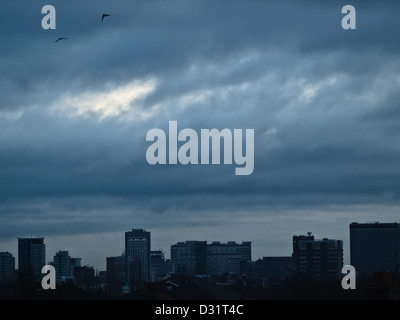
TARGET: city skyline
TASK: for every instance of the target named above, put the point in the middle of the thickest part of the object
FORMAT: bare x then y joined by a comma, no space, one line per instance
167,247
74,115
201,269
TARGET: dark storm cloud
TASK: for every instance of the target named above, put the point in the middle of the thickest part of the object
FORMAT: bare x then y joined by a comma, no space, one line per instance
322,101
141,39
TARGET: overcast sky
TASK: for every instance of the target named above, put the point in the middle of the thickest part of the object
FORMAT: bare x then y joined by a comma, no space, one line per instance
323,101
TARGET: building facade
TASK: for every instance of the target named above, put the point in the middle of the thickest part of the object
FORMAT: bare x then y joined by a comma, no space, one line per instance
374,247
85,278
7,268
227,257
216,258
189,257
73,263
61,262
116,274
273,269
137,255
31,255
317,259
160,267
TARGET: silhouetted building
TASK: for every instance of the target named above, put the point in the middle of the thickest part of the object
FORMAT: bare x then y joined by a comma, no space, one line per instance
85,277
74,262
272,269
317,259
189,257
102,278
137,254
7,268
247,269
157,256
374,247
116,274
31,255
199,258
61,264
226,257
160,268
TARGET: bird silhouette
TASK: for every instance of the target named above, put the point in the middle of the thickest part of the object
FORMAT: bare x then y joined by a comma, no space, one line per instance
59,39
104,15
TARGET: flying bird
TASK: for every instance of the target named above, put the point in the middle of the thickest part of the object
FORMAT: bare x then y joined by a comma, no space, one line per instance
104,15
59,39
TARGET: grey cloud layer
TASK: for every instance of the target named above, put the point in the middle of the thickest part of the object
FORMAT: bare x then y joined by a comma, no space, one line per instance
323,103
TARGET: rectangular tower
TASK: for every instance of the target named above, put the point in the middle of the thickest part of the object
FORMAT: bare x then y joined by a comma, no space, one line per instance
137,255
190,257
31,255
62,265
7,268
374,247
317,259
227,257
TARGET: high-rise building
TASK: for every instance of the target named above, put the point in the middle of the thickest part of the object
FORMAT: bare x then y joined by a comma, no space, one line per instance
62,265
227,257
374,247
116,274
31,255
85,277
190,257
247,269
198,257
73,263
157,256
317,259
273,269
7,267
160,267
137,255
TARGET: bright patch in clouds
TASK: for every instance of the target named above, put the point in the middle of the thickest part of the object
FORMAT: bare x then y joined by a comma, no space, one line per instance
310,90
123,100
